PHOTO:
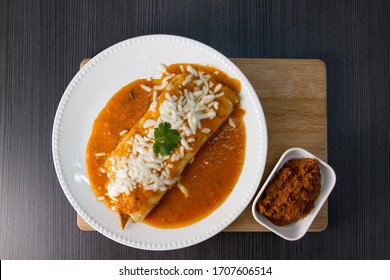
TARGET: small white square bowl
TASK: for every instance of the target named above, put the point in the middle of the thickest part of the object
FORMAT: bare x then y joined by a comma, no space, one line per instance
298,229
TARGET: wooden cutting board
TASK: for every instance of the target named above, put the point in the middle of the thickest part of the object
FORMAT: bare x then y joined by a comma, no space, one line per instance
292,93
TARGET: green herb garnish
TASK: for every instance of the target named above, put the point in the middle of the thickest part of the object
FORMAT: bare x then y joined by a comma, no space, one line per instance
165,139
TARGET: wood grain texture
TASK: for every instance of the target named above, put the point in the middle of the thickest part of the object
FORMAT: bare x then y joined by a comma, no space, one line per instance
292,93
42,43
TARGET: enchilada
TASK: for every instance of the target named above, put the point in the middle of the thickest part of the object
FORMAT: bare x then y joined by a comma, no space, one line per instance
194,101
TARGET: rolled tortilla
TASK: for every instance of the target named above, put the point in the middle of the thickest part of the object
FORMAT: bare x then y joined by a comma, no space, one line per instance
195,103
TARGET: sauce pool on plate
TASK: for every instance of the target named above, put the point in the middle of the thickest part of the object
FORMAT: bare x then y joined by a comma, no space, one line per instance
209,179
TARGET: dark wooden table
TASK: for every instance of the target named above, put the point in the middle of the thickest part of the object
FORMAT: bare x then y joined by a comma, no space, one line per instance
43,42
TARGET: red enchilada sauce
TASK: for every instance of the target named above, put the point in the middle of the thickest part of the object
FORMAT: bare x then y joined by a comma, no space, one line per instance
209,179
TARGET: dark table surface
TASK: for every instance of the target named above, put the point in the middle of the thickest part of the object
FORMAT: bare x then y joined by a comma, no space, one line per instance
43,42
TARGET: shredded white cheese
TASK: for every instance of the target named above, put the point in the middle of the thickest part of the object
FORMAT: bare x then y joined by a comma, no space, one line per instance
184,110
217,88
146,88
187,80
183,189
162,67
123,132
149,123
161,87
191,70
231,123
219,94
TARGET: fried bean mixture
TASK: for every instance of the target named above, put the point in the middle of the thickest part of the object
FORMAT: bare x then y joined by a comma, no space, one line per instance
291,194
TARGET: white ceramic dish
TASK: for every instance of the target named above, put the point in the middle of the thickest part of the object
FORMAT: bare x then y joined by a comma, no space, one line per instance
88,93
298,229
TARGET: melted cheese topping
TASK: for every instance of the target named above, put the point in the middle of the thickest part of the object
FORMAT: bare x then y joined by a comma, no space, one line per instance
185,114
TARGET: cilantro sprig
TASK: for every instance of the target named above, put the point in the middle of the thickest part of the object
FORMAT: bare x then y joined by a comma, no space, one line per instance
166,139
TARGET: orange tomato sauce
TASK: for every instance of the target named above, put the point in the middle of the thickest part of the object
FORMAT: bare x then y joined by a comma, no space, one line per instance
209,179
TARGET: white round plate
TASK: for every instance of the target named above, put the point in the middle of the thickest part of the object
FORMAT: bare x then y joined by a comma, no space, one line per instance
86,96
